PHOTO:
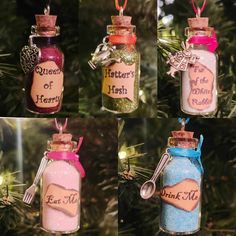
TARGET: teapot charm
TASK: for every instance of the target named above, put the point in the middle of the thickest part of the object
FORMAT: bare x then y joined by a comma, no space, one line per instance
180,60
102,55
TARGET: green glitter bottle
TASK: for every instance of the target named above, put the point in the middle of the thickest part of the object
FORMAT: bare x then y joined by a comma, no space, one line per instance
120,82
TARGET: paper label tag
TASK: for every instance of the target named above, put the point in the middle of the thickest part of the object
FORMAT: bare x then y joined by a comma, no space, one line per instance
184,195
47,87
62,199
118,81
201,84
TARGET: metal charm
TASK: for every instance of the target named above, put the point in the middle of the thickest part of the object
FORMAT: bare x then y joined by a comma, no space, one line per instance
102,55
29,57
181,60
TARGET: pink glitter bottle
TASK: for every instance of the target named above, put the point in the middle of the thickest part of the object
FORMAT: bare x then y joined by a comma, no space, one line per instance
43,62
61,185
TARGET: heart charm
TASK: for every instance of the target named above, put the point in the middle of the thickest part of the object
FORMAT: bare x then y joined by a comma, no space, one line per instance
184,195
29,58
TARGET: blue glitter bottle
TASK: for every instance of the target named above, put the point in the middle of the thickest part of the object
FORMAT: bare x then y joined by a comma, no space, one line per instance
181,184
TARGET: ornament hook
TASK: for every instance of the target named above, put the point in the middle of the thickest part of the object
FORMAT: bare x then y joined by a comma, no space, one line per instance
198,10
61,127
183,122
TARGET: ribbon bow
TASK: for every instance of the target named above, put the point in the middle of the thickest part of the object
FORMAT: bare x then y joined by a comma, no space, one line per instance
195,155
72,157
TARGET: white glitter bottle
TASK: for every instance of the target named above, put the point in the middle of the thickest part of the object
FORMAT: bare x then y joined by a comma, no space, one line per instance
199,81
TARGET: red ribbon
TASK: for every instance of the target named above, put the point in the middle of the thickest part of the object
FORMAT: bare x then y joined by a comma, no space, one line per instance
122,39
118,7
196,9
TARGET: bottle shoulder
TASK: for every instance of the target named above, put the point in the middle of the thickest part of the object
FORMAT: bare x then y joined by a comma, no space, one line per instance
203,52
60,167
182,166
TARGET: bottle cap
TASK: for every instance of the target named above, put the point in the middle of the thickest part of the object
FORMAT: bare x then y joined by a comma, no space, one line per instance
121,20
62,137
46,25
183,138
121,25
62,142
198,22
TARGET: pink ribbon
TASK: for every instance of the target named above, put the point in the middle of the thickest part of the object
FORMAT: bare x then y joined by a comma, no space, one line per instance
211,42
72,157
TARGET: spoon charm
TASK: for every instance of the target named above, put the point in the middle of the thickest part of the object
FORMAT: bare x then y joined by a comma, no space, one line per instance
149,187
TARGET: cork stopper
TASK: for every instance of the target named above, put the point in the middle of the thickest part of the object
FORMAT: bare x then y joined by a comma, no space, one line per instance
61,142
183,139
121,25
46,24
121,20
182,134
62,137
198,22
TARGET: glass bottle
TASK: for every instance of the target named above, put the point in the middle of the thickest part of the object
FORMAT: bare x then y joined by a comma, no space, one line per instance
181,185
120,83
43,63
61,186
199,81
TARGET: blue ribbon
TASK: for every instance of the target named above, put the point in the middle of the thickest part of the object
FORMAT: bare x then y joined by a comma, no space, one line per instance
190,153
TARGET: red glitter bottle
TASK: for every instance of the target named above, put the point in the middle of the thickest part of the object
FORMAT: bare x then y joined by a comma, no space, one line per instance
43,63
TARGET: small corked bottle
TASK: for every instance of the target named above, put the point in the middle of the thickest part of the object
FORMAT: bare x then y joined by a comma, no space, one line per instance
120,62
61,186
199,82
120,84
197,63
181,185
43,63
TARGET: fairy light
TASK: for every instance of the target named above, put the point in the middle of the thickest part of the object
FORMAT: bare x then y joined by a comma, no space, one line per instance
167,20
141,93
1,180
122,155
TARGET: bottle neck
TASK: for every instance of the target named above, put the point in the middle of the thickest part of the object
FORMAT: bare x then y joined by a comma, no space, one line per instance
123,35
45,41
187,143
199,47
61,146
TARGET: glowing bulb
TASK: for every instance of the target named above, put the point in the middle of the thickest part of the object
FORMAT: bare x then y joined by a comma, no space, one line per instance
166,20
122,155
141,92
1,180
167,2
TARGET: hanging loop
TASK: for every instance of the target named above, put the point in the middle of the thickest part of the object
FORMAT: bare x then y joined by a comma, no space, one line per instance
47,8
119,7
183,122
61,127
198,10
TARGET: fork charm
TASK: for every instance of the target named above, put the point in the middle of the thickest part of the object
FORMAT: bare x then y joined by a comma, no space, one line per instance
30,192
